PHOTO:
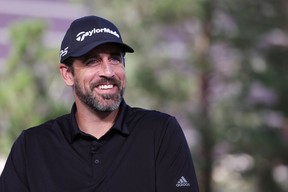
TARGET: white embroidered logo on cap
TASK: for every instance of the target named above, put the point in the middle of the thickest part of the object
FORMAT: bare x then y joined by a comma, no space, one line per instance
64,52
81,36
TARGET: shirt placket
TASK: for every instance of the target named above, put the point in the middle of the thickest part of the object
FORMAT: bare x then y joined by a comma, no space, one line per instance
97,157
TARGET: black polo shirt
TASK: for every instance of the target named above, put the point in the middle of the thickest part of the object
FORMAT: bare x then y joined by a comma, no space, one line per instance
145,151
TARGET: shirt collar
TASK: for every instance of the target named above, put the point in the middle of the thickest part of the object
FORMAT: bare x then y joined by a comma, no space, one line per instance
119,124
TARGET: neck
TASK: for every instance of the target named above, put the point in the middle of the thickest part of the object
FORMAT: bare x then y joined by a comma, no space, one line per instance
92,122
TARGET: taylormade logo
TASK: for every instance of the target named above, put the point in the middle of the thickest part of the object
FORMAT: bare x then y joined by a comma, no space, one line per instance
81,36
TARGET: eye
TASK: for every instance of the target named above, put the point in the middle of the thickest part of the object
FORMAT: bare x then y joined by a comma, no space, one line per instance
116,59
93,61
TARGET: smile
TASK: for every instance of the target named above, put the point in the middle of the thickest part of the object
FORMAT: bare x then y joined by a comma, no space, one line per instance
104,87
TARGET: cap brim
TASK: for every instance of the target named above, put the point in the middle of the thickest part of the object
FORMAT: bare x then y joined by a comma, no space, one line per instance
82,51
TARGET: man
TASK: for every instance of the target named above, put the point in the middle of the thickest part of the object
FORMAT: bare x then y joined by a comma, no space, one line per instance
103,145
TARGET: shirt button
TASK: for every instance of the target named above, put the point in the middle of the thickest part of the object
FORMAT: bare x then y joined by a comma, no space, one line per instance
97,161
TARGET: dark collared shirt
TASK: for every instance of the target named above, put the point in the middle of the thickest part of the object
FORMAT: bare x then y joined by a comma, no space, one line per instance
144,151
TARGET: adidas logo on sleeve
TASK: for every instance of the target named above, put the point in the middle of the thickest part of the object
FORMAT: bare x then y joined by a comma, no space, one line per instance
182,182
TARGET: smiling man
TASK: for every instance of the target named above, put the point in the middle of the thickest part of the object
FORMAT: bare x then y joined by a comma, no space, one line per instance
103,145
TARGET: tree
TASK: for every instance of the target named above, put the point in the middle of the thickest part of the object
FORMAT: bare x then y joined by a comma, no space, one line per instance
28,95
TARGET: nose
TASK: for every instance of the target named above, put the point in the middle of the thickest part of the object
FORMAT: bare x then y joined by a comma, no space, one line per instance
107,69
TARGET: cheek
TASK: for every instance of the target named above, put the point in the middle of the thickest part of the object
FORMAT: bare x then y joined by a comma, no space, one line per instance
87,76
122,76
82,82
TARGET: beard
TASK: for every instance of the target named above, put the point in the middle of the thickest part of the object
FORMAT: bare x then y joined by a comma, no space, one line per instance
100,102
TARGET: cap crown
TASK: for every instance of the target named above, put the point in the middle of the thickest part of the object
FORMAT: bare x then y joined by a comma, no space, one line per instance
87,33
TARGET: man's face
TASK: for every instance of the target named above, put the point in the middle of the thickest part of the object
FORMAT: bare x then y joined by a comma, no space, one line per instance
99,78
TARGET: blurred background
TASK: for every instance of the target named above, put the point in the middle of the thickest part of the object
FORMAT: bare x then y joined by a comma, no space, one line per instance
219,66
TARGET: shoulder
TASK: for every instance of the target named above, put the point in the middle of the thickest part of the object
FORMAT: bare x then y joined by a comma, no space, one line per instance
154,120
148,115
50,127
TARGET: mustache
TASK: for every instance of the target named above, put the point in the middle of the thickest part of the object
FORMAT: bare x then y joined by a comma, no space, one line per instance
106,80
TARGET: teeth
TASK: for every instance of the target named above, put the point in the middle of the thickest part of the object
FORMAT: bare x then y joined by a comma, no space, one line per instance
105,86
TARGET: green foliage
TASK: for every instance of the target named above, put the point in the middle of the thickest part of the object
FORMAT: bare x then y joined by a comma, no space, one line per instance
25,98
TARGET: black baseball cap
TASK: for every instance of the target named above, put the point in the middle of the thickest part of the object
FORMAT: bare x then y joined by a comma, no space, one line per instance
88,32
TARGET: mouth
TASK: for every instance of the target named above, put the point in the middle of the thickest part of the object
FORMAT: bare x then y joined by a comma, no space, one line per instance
105,87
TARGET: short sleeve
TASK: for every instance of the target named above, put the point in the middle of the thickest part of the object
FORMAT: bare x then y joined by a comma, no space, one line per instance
174,166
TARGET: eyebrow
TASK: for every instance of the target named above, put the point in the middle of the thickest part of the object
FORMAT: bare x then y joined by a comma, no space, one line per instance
90,55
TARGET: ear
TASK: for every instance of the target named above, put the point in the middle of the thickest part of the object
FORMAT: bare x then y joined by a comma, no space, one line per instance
66,74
